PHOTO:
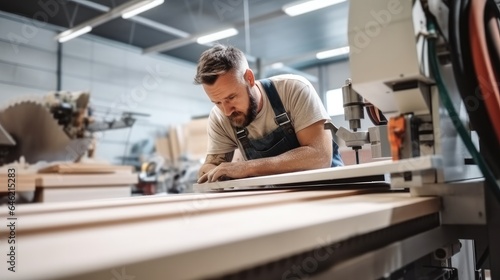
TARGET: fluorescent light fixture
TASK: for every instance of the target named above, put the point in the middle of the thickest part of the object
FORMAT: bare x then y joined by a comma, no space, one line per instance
302,7
217,36
127,9
135,10
70,34
332,53
277,65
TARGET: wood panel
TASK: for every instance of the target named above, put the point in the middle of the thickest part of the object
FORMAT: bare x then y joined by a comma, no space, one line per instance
60,180
343,172
220,235
23,182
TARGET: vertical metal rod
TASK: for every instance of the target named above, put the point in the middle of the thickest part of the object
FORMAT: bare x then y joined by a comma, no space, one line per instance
59,66
258,66
247,27
125,153
132,33
323,83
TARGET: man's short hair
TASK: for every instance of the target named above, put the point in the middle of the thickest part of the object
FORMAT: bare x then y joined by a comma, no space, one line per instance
217,61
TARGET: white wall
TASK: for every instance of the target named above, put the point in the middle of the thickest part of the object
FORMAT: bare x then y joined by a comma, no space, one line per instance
27,59
118,77
332,76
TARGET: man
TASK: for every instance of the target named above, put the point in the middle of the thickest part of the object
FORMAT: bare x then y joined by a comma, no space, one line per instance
277,123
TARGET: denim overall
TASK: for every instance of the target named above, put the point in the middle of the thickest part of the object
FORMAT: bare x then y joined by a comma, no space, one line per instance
282,139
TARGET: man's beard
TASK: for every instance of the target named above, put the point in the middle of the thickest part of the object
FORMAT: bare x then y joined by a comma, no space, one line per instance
240,119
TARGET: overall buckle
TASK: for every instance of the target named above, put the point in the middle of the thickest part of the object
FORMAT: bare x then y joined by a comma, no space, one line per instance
282,119
241,134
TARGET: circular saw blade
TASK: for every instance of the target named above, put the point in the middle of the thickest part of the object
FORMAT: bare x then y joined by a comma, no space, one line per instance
38,135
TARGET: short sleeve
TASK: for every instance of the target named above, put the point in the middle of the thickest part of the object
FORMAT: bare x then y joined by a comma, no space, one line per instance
219,134
303,103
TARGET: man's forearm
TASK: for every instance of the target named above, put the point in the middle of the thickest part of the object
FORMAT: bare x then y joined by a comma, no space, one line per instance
299,159
315,152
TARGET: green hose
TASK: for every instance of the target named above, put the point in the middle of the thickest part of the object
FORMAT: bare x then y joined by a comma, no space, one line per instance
448,104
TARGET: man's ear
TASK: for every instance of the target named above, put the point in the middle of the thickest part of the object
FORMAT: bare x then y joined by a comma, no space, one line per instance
249,77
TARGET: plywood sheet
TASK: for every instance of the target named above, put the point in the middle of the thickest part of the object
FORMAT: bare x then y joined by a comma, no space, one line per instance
196,138
67,180
23,182
240,230
83,168
324,174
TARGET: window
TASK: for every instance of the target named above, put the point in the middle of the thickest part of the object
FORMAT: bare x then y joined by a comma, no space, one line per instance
334,102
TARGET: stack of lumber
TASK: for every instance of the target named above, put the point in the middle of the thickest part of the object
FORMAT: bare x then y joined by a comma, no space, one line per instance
82,181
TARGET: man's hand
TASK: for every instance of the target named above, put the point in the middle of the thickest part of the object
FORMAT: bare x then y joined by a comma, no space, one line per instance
211,163
225,171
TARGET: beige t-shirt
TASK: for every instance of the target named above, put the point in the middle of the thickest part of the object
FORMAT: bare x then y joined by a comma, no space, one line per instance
299,99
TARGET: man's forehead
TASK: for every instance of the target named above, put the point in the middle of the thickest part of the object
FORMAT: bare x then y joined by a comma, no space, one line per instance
221,89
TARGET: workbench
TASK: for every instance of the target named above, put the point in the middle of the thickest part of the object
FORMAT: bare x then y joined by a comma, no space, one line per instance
217,234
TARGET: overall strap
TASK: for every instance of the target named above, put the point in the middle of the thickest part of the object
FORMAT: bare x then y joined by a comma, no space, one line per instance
282,117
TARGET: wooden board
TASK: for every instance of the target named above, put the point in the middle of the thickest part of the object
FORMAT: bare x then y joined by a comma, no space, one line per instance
216,236
137,201
23,182
72,194
196,138
65,176
83,168
181,208
67,180
324,174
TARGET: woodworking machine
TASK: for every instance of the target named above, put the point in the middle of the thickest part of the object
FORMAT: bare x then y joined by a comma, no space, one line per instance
430,212
44,128
55,127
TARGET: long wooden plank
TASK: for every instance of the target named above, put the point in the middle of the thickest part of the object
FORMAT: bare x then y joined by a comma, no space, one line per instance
343,172
37,208
208,244
24,182
194,198
84,168
72,194
67,180
101,216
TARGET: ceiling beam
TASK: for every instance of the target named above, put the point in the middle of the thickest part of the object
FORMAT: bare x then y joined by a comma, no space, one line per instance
170,45
141,20
173,44
111,14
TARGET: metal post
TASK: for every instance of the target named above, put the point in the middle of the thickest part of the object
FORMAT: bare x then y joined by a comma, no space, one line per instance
493,218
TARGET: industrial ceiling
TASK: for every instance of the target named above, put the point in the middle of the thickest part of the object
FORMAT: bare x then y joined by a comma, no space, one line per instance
265,32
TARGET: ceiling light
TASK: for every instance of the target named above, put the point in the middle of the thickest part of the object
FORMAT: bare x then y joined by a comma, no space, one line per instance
70,34
332,53
277,65
302,7
217,36
123,9
141,7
